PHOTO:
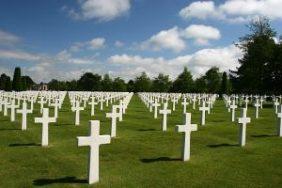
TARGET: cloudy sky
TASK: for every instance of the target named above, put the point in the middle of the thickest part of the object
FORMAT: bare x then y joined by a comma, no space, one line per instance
63,39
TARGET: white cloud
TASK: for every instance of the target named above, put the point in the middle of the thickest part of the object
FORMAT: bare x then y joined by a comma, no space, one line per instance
166,39
199,62
202,33
102,10
119,44
97,43
174,38
18,55
199,9
233,10
66,57
93,44
8,38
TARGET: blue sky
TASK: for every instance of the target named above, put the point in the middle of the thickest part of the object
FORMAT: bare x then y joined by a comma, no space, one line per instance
64,39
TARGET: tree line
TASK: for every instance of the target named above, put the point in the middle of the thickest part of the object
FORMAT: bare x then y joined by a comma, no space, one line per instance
259,72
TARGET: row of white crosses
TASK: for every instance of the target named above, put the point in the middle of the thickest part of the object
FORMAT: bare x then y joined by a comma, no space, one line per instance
258,104
152,101
186,129
94,140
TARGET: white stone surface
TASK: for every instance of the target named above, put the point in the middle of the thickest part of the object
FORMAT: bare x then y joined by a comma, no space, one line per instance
242,127
45,120
94,141
187,128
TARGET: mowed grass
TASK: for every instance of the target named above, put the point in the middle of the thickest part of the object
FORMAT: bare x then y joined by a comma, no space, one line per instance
142,155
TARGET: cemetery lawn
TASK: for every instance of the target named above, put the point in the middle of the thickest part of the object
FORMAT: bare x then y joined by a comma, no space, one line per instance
142,155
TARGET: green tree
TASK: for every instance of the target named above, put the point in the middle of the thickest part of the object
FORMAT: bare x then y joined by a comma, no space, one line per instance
213,80
130,86
119,85
90,82
142,83
5,82
254,75
225,87
71,85
200,85
17,81
161,83
107,83
27,82
184,82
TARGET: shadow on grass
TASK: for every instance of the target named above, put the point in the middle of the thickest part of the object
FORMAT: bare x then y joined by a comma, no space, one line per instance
222,145
24,145
159,159
68,179
61,124
146,130
263,135
10,129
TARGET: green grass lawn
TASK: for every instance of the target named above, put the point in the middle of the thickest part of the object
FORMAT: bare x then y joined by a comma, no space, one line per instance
142,155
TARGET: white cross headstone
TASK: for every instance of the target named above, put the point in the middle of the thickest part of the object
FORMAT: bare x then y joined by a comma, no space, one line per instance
187,128
279,115
174,100
92,103
114,115
120,107
165,111
102,103
194,102
242,127
233,106
276,104
77,110
45,120
13,107
41,102
184,103
56,105
155,105
257,105
94,141
24,111
203,116
6,104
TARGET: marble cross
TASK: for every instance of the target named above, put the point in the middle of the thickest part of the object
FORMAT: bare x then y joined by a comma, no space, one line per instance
203,116
257,105
174,100
276,104
13,107
45,120
187,128
94,141
114,115
24,111
42,102
233,107
165,111
184,103
279,115
56,105
92,103
120,107
102,103
242,127
6,104
194,102
155,105
77,110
